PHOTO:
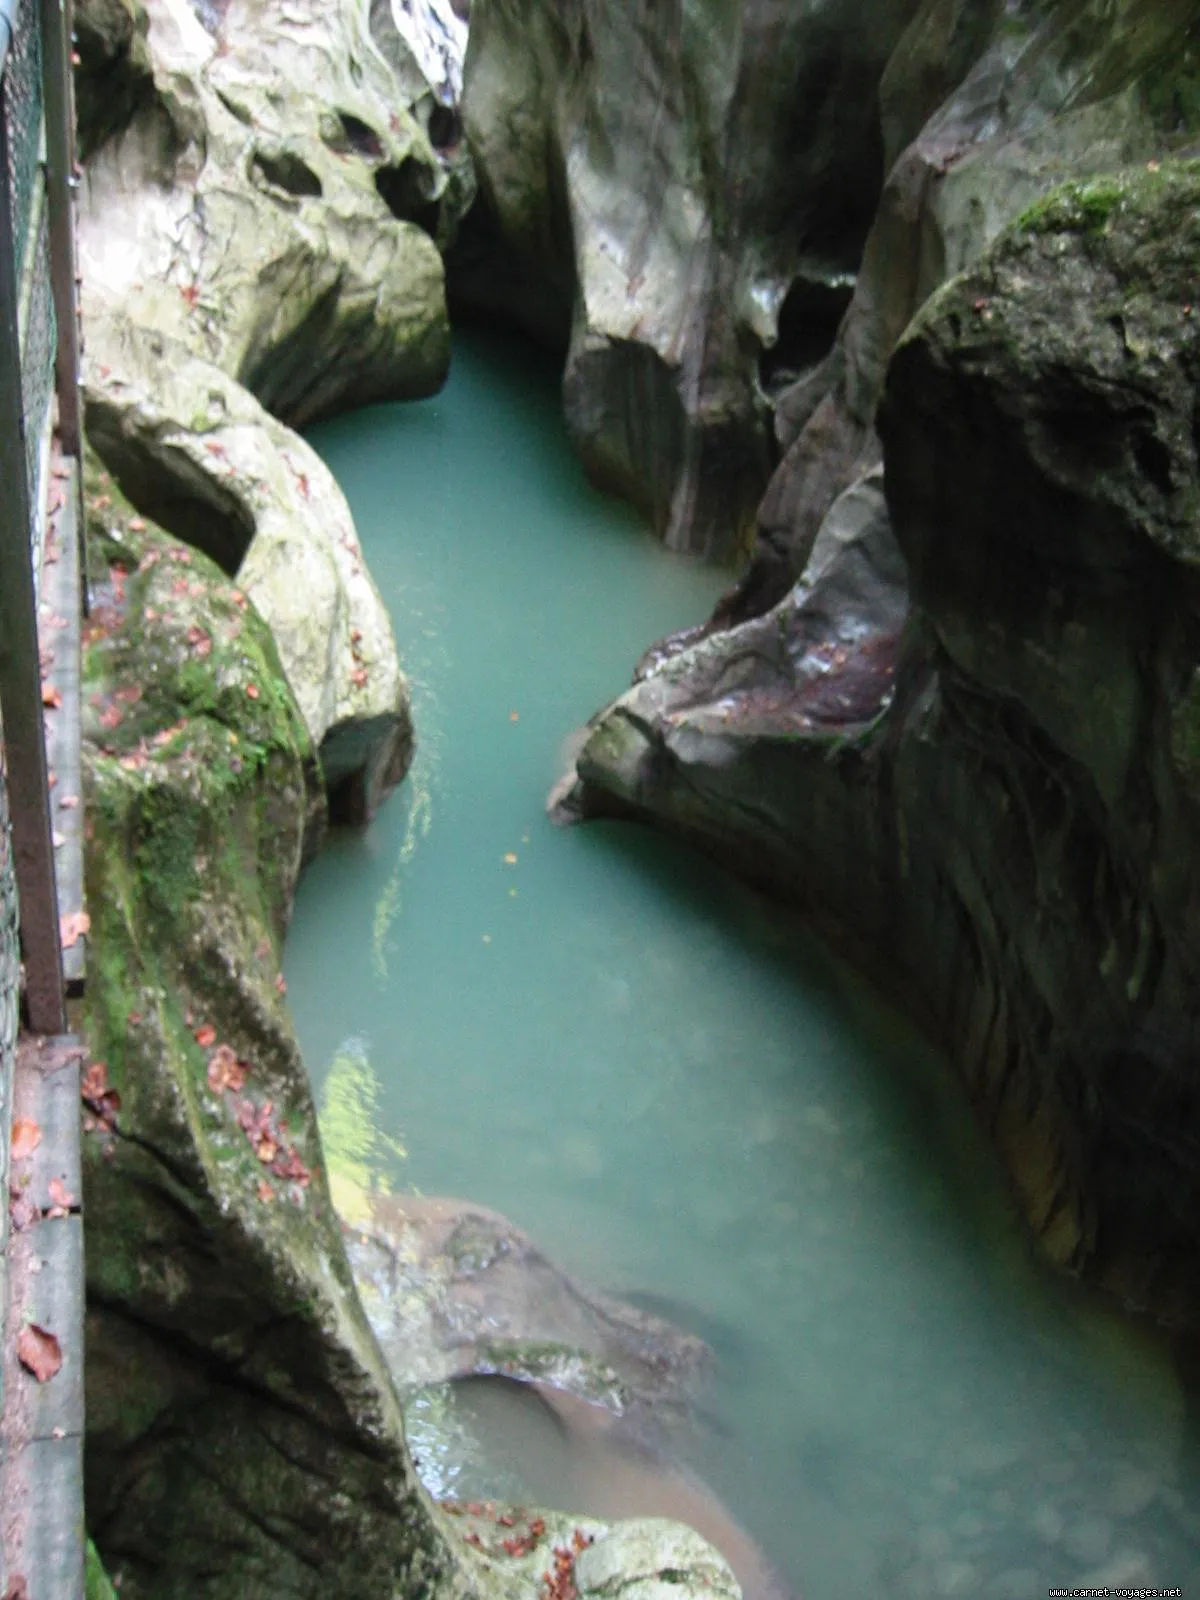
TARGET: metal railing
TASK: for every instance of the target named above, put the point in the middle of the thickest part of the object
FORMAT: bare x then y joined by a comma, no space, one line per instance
39,358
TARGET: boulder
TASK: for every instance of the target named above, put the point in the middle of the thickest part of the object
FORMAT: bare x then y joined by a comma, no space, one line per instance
196,452
987,792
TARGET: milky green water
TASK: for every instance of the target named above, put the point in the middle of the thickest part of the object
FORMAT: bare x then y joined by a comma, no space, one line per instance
660,1077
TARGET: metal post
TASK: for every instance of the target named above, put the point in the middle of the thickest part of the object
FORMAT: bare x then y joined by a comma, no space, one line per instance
60,161
20,672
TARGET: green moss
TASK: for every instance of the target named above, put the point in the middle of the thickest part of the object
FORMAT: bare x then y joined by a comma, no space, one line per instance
1076,208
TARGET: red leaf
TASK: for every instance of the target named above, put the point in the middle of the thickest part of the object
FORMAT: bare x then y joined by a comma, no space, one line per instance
265,1192
206,1035
51,696
39,1352
26,1136
252,690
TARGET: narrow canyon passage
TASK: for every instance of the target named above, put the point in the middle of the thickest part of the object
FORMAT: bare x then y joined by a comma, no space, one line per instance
682,1099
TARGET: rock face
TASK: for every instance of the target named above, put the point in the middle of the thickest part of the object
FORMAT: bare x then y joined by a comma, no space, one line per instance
270,206
196,452
983,109
675,172
697,183
255,238
989,795
231,1374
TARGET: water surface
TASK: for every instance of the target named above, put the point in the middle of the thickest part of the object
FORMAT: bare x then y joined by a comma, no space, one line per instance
659,1076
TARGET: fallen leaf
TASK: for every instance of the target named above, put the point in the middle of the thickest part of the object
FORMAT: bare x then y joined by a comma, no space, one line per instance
199,640
281,984
95,1081
510,858
358,677
225,1071
110,717
206,1034
61,1198
18,1589
252,690
266,1149
265,1191
71,925
26,1136
514,716
68,802
137,525
51,696
39,1352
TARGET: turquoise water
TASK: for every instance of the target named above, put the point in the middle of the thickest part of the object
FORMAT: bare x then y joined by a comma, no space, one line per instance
660,1077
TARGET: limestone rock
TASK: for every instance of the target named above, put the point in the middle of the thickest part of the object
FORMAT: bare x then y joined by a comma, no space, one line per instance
270,206
193,450
987,794
984,109
454,1290
232,1377
671,172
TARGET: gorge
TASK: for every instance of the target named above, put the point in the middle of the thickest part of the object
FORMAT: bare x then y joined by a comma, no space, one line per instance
894,300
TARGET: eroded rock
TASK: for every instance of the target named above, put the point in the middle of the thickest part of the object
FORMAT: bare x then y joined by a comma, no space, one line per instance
193,450
270,204
232,1377
671,172
999,821
454,1290
984,109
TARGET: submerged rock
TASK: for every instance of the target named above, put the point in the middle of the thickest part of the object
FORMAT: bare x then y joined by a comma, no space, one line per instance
990,798
454,1290
193,450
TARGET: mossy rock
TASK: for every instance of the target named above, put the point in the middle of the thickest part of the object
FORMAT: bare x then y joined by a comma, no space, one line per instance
232,1376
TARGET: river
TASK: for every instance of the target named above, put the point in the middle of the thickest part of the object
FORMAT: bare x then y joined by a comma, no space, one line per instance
679,1095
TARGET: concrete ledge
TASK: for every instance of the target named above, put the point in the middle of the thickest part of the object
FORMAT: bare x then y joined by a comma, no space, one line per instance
41,1435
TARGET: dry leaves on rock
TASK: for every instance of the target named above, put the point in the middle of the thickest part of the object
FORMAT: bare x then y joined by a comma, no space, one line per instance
26,1136
71,927
39,1352
225,1071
